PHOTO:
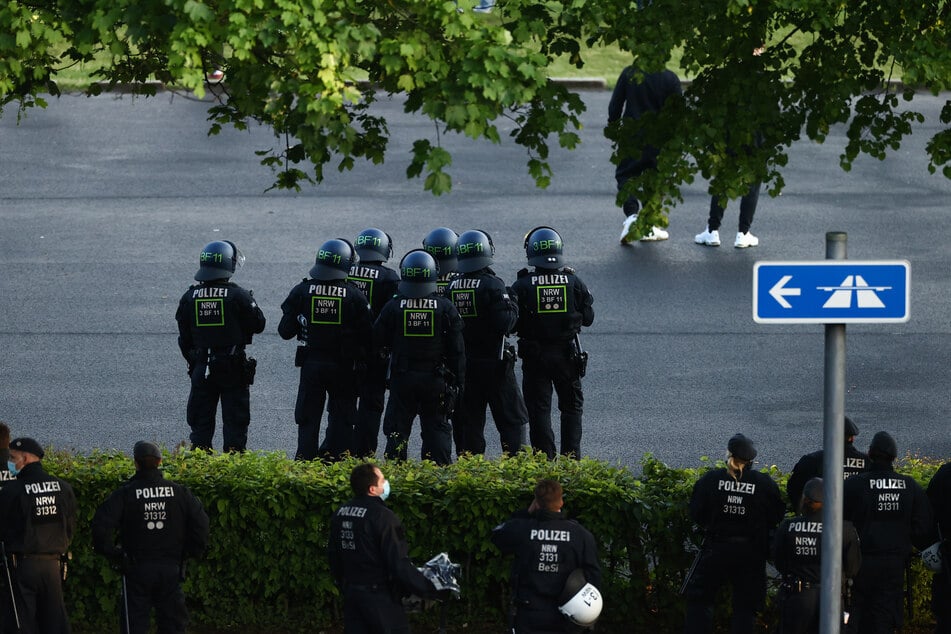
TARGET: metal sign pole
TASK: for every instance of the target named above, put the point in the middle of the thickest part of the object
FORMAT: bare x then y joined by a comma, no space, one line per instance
833,450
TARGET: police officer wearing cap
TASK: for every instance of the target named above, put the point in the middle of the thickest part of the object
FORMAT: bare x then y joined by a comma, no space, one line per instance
37,522
737,507
553,305
149,526
810,465
378,282
892,515
441,244
331,317
797,553
369,558
216,320
423,332
939,494
489,315
548,547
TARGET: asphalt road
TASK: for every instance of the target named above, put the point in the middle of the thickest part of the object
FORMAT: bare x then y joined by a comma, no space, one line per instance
106,202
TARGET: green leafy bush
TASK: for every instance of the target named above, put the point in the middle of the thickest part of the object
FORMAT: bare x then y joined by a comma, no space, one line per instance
266,568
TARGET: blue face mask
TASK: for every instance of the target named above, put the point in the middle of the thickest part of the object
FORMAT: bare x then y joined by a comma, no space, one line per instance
386,490
12,468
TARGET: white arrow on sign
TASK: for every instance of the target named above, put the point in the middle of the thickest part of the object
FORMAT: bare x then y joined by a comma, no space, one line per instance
778,292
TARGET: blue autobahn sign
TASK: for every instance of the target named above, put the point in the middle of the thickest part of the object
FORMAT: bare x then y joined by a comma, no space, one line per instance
831,292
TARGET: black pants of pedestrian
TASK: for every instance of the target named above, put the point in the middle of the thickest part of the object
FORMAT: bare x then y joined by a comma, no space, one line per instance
40,606
747,209
324,382
492,383
629,168
373,612
799,611
411,393
877,596
741,566
552,367
366,432
154,585
235,398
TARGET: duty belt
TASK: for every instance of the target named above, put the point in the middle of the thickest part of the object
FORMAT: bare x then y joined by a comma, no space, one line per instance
798,585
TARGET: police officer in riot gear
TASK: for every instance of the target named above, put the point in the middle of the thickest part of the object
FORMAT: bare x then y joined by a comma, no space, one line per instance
810,465
797,551
548,547
331,317
159,524
427,360
489,315
736,507
369,558
939,494
378,282
553,305
892,515
37,523
441,244
216,320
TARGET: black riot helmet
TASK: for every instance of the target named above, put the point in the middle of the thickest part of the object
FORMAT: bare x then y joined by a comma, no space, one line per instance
474,250
544,248
218,261
441,244
374,245
334,259
418,274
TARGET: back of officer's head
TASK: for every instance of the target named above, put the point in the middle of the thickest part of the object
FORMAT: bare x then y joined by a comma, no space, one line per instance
811,501
146,455
883,448
549,494
362,478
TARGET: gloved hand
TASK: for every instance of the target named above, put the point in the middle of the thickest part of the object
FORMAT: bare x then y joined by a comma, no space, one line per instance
4,436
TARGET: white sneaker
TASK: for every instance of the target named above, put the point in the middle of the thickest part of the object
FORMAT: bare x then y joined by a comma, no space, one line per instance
655,235
709,238
215,77
744,240
626,235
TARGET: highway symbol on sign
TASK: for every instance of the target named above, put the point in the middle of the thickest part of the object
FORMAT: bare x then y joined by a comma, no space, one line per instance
831,291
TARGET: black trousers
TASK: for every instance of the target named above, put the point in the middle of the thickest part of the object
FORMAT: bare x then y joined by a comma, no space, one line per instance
747,209
542,620
489,383
551,367
941,600
366,432
40,601
739,565
877,596
411,393
799,611
235,397
154,585
325,382
373,612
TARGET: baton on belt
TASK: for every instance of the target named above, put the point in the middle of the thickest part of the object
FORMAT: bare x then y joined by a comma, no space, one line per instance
692,569
13,597
125,605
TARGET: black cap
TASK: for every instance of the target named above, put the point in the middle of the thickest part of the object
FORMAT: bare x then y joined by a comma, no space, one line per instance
851,429
27,445
146,449
813,490
883,444
742,448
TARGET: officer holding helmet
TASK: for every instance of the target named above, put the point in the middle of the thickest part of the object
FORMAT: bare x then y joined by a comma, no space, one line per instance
331,317
939,493
553,305
378,282
427,360
892,515
552,554
441,244
736,507
797,554
810,465
152,544
216,320
489,315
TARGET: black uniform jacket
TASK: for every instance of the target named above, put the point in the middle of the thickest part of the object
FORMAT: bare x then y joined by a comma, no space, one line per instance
810,466
37,513
553,304
728,509
216,315
487,311
547,548
337,317
368,548
939,493
157,520
797,548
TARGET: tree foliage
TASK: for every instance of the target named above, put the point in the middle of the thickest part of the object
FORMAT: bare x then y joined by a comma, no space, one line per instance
295,66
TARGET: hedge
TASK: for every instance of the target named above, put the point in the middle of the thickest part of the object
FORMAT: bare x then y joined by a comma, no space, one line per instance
266,568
